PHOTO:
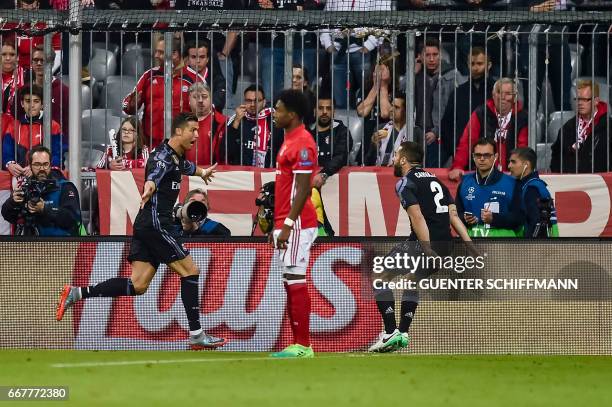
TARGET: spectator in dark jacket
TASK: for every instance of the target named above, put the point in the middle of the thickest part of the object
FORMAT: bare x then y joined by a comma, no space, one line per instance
434,85
333,139
197,57
583,144
251,137
469,96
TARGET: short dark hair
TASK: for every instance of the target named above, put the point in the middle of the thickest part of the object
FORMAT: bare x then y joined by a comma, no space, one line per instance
30,89
324,93
202,43
527,154
430,42
180,120
485,141
411,151
400,95
255,88
304,71
295,101
38,149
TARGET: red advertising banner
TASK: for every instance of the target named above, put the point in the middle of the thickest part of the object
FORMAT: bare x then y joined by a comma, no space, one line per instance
359,201
242,299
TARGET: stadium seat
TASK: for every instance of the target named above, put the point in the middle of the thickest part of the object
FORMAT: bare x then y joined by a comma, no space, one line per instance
540,118
115,89
576,51
135,62
355,125
86,100
95,126
112,47
543,150
102,64
557,120
133,45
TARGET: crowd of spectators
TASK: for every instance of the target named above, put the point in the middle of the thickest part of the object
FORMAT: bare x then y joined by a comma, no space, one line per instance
462,93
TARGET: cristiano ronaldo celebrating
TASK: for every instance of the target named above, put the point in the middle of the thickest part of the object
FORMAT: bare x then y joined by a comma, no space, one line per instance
152,242
295,219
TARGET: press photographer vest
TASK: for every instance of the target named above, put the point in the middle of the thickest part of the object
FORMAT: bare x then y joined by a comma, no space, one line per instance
553,230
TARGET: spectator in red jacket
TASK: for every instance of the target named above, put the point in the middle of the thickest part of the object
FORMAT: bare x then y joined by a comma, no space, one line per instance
506,124
28,132
13,76
149,92
127,149
212,126
59,91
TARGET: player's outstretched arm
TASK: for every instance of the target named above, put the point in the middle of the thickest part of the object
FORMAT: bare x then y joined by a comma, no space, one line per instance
461,230
207,174
457,224
418,224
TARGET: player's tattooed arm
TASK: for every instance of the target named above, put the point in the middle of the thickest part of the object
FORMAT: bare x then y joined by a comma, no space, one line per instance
418,224
461,230
457,224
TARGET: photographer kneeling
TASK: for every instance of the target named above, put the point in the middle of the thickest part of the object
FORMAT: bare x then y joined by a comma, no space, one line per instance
46,204
192,217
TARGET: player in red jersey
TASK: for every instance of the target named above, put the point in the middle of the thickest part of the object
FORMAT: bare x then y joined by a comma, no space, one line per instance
295,219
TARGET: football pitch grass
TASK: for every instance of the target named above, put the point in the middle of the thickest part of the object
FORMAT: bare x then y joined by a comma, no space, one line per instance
138,378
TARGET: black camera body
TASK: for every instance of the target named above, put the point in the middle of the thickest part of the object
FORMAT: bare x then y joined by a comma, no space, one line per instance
266,196
546,209
34,189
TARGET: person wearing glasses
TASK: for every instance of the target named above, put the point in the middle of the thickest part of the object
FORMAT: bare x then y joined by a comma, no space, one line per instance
46,204
501,119
252,139
583,143
127,149
489,201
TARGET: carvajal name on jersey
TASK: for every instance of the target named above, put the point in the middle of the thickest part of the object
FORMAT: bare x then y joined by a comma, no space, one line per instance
424,174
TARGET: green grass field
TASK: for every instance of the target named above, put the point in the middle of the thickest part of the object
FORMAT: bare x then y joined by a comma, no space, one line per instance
251,379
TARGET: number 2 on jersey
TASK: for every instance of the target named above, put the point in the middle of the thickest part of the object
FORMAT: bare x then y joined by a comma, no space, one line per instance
439,194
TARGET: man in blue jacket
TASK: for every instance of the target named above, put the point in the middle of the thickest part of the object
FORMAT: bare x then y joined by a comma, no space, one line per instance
488,201
540,215
46,204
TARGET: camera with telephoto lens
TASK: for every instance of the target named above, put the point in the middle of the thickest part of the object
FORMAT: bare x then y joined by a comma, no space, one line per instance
193,211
